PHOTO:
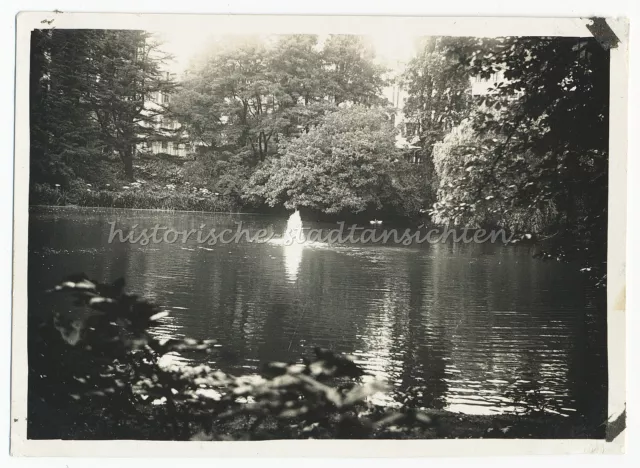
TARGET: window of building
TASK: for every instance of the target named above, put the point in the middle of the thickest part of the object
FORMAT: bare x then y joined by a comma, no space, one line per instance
165,98
165,145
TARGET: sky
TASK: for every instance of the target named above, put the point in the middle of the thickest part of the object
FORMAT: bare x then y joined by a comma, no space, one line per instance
391,47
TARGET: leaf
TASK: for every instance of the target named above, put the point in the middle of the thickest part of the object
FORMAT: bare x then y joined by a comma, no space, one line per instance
361,392
201,437
158,316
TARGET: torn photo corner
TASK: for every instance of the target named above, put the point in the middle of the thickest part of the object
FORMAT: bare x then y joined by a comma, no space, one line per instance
407,232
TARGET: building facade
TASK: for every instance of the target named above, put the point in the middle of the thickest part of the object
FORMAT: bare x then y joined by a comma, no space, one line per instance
406,140
168,137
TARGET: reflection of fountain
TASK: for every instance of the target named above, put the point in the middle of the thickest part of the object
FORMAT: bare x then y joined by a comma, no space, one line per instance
293,232
292,244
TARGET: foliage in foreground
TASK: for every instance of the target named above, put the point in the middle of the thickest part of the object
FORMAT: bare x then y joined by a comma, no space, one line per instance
107,356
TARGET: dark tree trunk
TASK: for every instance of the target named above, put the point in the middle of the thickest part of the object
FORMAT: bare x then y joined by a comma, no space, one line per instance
261,146
126,155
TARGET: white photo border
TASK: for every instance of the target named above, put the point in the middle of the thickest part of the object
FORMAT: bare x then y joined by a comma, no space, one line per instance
232,24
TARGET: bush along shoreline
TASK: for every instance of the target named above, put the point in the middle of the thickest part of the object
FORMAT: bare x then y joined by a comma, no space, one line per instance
133,196
98,372
162,182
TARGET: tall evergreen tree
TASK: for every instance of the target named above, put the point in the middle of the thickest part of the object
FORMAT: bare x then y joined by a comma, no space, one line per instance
63,138
127,74
90,91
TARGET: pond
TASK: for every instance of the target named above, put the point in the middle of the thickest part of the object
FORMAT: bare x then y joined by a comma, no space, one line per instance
472,328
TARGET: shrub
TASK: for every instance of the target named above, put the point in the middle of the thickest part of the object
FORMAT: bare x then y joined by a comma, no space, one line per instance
347,164
44,194
464,156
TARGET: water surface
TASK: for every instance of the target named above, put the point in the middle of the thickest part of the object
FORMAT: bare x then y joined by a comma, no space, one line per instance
480,329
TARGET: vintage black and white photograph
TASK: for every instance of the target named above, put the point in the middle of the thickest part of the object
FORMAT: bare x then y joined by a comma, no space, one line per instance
397,233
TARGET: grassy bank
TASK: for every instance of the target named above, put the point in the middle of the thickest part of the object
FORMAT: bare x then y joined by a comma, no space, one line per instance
162,182
158,198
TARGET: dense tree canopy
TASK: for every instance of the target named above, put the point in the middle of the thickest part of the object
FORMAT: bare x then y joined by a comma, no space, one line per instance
89,91
350,72
63,137
456,159
345,164
438,98
250,92
541,149
438,88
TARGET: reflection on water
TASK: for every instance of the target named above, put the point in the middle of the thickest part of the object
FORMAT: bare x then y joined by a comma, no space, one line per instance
472,328
292,260
292,247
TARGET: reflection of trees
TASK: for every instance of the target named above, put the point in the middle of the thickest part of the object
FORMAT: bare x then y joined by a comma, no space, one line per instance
384,334
428,330
393,339
335,289
588,366
515,336
465,323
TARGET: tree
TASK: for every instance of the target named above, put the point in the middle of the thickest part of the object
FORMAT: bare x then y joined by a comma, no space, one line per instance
126,74
249,92
439,97
462,156
295,64
234,98
200,111
438,88
544,135
89,96
351,73
346,164
63,137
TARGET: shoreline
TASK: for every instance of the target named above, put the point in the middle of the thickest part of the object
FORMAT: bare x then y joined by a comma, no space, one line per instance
280,213
157,210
